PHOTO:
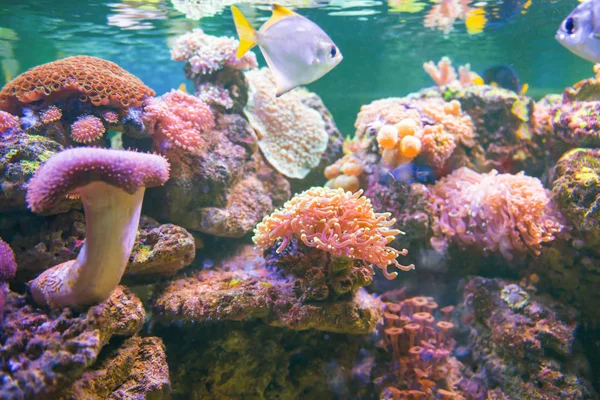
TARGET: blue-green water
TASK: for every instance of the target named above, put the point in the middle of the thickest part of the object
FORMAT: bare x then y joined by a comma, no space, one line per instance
383,50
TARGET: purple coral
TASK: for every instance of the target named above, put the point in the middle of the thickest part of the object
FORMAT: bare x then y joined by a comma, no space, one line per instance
8,267
510,214
111,184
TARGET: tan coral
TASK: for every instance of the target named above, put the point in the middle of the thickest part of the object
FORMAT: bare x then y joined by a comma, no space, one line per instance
292,136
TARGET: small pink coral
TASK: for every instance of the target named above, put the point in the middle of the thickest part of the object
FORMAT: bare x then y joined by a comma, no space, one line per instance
8,123
443,74
207,54
444,14
87,129
214,94
112,117
510,214
179,119
50,114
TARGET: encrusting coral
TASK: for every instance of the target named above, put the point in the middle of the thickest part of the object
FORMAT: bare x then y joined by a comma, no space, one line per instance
509,214
111,184
291,135
334,221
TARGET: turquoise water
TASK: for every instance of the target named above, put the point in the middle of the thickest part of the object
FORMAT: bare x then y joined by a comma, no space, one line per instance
383,50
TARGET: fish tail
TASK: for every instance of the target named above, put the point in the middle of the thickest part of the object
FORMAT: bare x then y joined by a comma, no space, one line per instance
524,89
246,32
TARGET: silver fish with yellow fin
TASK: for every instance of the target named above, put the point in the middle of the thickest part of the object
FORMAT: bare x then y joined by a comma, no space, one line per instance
580,31
297,51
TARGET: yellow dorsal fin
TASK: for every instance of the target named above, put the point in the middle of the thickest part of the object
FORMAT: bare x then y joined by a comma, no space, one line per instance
279,13
245,31
524,89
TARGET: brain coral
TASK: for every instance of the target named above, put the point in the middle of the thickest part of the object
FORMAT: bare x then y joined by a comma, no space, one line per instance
292,136
337,222
510,214
93,79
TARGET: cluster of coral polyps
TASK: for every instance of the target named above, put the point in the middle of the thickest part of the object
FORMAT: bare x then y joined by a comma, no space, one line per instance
334,221
420,347
431,129
74,100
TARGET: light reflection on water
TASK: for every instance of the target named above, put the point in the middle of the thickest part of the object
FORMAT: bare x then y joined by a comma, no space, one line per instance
384,44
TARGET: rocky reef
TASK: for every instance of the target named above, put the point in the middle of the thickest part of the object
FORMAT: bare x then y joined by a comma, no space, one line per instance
242,248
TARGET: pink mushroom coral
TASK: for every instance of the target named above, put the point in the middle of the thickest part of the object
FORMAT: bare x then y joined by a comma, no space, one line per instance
111,184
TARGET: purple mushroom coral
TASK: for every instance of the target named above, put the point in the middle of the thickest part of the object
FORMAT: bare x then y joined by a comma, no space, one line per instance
111,184
8,267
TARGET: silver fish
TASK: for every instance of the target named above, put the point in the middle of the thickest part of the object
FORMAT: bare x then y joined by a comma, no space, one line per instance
580,31
297,51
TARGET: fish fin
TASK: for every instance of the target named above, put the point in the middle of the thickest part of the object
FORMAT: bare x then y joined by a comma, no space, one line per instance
183,88
246,32
284,85
279,13
494,84
524,89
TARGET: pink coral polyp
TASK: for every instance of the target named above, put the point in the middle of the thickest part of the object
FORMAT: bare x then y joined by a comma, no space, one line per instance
179,118
510,214
335,221
87,129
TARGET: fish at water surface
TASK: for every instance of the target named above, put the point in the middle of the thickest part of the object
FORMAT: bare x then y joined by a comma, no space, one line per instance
296,49
580,31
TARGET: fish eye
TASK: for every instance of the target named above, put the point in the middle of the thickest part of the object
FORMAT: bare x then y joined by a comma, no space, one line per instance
570,25
333,51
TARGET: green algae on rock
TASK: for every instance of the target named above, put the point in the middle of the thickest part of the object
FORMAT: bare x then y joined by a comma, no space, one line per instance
48,351
242,288
20,157
576,187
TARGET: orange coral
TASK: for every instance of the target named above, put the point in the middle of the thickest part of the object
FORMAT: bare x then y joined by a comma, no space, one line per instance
93,79
344,173
335,221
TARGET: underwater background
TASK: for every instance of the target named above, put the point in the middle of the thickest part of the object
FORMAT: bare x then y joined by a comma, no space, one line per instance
383,48
410,225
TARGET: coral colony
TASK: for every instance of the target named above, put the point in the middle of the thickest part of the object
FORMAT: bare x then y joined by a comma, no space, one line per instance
461,179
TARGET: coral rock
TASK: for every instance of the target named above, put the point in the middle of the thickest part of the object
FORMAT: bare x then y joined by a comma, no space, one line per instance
576,187
242,288
41,243
224,190
42,353
20,157
522,350
136,370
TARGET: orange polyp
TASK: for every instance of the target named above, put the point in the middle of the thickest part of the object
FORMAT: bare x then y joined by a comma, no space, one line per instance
332,172
348,183
352,167
387,137
410,146
406,127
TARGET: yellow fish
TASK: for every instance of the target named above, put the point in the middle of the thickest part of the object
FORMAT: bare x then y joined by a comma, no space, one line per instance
183,88
297,51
